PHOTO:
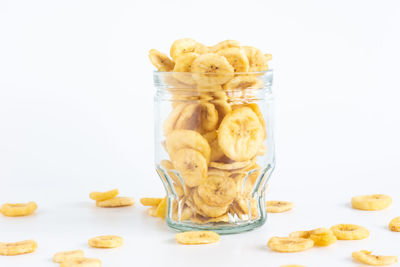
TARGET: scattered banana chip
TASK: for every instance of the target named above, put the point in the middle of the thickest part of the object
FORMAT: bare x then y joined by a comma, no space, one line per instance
100,196
197,237
18,209
161,61
116,202
366,257
66,255
276,206
322,237
350,232
289,244
371,202
106,241
17,248
150,201
161,208
394,225
81,262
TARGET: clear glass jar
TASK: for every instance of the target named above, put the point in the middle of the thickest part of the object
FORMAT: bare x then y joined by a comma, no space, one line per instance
214,148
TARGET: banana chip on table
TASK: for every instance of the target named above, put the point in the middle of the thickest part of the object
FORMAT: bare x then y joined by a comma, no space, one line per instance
62,256
81,262
17,248
275,206
116,202
394,224
100,196
18,209
289,244
106,241
197,237
371,202
350,232
366,257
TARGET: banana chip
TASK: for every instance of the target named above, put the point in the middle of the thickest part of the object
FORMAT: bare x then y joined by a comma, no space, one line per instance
216,152
322,237
184,64
371,202
116,202
81,262
197,237
350,232
211,69
161,61
18,209
192,166
235,165
186,45
223,45
106,241
66,255
276,206
150,201
243,82
240,134
17,248
394,225
257,60
289,244
161,208
217,190
366,257
236,57
100,196
207,210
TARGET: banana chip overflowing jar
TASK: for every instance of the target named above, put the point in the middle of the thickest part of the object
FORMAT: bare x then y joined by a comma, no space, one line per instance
213,134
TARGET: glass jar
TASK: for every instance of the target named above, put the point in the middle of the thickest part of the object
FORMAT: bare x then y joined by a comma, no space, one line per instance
214,148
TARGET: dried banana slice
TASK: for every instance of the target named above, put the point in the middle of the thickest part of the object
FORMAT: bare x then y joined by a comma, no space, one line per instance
216,152
211,69
223,109
394,225
277,206
116,202
322,237
150,201
169,123
236,57
183,64
217,190
100,196
243,82
161,208
240,134
350,232
65,255
186,45
192,166
366,257
208,117
106,241
371,202
289,244
161,61
179,139
223,45
197,237
81,262
18,209
257,60
207,210
17,248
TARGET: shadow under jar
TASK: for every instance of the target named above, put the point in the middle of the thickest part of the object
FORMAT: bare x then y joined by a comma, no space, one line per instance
214,148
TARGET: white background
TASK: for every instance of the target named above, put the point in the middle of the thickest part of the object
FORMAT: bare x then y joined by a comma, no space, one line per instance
76,115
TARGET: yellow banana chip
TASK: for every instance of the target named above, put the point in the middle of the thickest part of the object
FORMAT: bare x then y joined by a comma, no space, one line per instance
106,241
257,60
150,201
243,82
236,57
217,191
289,244
161,61
366,257
240,134
17,248
276,206
394,225
216,152
211,69
322,237
184,64
81,262
192,166
100,196
186,45
161,208
235,165
371,202
18,209
66,255
197,237
207,210
350,232
116,202
223,45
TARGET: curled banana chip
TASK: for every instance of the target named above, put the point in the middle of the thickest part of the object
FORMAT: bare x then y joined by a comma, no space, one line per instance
65,255
161,208
192,166
277,206
217,190
240,134
223,45
100,196
150,201
366,257
211,69
371,202
116,202
322,237
17,248
105,241
18,209
394,225
350,232
197,237
236,57
81,262
186,45
289,244
161,61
